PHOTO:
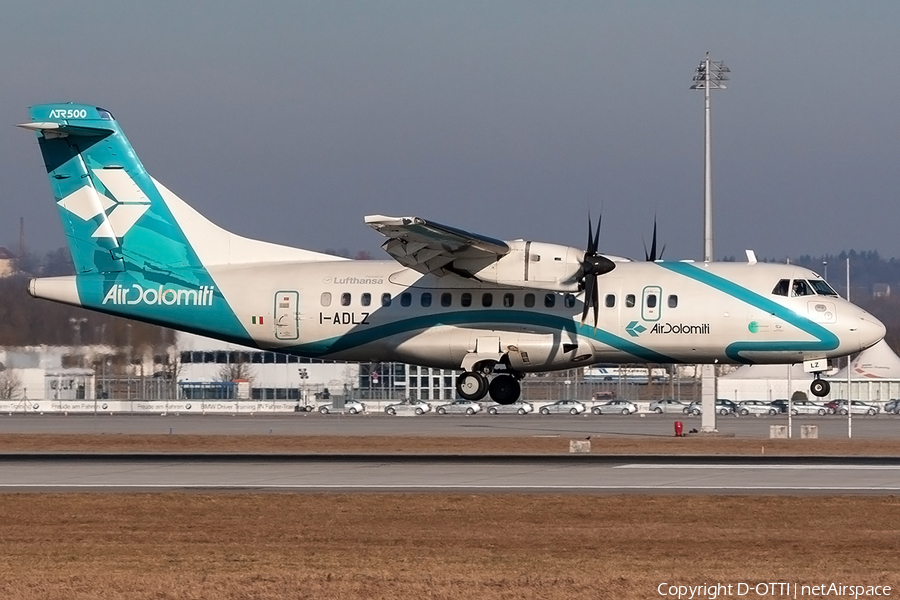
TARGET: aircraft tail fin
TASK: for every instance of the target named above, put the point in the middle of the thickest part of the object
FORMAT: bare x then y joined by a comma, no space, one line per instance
115,216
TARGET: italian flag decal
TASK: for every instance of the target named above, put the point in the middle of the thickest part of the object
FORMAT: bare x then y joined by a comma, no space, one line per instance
256,320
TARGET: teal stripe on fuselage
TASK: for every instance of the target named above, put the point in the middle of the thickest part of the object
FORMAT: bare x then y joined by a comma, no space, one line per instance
475,318
825,340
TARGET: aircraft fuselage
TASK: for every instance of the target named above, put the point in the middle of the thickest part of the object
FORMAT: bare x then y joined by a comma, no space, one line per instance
661,312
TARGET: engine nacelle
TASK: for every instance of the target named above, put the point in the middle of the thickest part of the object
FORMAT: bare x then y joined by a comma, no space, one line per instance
529,264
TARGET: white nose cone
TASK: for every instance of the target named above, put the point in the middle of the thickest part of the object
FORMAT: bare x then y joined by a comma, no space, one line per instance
871,331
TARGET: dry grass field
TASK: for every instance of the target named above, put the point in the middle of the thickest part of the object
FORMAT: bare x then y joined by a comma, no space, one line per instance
442,546
439,546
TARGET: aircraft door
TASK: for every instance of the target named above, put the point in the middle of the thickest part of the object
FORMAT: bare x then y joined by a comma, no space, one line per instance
652,300
287,322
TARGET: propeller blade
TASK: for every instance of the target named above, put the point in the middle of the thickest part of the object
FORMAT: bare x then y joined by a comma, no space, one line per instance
592,266
592,247
652,255
590,241
590,285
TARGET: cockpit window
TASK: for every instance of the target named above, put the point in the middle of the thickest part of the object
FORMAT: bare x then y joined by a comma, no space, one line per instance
822,288
801,287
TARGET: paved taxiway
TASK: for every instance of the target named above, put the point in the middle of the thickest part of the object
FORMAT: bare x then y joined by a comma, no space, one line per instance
367,473
832,427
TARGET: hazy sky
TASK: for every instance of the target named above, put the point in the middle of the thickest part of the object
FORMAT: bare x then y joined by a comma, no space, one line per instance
290,121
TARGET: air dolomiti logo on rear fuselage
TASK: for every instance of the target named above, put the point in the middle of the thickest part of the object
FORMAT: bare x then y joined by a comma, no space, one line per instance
161,295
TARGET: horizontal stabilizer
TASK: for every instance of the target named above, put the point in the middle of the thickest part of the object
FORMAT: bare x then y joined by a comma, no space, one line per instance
58,130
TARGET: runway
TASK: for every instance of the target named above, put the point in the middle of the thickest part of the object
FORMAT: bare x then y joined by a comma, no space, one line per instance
472,474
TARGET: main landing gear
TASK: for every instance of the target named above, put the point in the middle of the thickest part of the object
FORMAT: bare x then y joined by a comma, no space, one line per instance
819,387
474,385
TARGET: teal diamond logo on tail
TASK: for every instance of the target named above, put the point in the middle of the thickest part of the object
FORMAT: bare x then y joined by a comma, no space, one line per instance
634,329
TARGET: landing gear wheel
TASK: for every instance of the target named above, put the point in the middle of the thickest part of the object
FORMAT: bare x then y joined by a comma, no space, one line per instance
471,386
819,387
504,389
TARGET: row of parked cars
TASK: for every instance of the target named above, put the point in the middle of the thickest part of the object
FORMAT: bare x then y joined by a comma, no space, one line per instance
761,407
468,407
626,407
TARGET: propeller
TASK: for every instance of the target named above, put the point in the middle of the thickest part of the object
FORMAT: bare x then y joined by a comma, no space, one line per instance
592,266
652,256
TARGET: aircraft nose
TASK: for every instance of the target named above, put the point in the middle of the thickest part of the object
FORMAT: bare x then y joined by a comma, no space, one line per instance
871,331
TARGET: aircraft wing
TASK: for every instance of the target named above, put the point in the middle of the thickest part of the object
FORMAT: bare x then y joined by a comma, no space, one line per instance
427,246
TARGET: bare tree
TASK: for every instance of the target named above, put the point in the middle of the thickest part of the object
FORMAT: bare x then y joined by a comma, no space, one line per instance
240,369
10,385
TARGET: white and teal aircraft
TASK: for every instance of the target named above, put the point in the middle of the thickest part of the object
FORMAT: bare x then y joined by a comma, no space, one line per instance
448,298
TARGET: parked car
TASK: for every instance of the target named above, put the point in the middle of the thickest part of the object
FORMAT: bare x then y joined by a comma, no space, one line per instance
572,407
467,407
667,405
756,407
723,407
858,407
805,407
517,408
893,407
781,404
416,406
614,407
350,406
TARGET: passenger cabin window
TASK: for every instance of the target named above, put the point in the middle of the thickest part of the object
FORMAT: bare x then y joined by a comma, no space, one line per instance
466,299
345,299
629,301
508,300
651,300
673,301
781,288
529,300
549,300
365,299
801,287
569,300
487,299
326,299
610,301
446,299
426,299
405,299
385,299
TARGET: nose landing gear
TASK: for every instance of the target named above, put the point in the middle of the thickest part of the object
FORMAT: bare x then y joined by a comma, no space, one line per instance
819,387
